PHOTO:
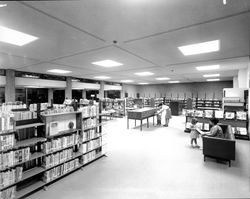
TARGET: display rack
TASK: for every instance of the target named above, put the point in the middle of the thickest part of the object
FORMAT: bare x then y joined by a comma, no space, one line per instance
42,150
116,107
238,122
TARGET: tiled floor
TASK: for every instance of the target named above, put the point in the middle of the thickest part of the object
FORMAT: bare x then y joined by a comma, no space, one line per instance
155,163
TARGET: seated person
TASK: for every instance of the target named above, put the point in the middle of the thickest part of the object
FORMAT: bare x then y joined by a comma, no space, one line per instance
215,131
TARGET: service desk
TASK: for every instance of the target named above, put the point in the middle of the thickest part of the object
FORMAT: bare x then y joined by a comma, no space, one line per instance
141,114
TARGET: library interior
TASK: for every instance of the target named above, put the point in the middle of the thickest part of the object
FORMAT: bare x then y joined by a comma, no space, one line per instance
124,99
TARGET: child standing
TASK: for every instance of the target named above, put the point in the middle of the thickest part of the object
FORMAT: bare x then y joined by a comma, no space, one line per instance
194,134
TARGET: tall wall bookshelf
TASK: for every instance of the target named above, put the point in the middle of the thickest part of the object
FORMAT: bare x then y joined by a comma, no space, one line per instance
212,104
38,151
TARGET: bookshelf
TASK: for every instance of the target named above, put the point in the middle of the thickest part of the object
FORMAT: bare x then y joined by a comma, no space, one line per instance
116,107
41,151
237,119
212,104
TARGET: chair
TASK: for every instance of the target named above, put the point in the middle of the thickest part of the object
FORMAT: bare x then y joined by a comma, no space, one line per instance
220,148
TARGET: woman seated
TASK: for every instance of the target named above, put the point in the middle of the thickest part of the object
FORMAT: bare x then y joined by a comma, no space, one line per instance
215,131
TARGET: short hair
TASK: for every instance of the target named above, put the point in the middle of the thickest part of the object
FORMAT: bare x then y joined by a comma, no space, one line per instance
214,120
194,121
160,104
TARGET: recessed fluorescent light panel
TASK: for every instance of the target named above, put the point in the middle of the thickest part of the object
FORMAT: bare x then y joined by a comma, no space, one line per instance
211,67
143,83
14,37
127,81
102,77
213,80
59,71
173,82
144,73
107,63
211,75
200,48
162,78
3,5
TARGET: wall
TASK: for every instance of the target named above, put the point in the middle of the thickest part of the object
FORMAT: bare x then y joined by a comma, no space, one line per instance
198,89
130,89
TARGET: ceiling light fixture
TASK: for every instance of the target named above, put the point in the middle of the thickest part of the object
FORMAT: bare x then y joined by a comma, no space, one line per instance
107,63
144,73
59,71
213,80
102,77
143,83
3,5
224,2
200,48
211,67
127,81
173,82
14,37
211,75
162,78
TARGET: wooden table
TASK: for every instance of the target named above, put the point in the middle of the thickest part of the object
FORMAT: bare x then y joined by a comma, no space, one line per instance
141,114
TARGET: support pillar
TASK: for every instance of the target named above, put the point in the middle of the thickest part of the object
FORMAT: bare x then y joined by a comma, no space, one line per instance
68,89
84,94
50,94
10,90
101,93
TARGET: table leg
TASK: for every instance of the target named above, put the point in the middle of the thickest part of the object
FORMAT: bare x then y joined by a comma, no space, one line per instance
141,125
127,123
153,120
147,123
135,122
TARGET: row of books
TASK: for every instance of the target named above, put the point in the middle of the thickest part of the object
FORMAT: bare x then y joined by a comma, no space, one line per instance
90,134
57,158
90,122
60,143
25,115
9,193
220,114
89,111
7,142
90,156
6,121
43,106
14,157
60,170
7,107
88,146
239,130
11,176
63,109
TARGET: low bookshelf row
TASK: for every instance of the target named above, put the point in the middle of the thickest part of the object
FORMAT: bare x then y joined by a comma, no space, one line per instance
116,105
208,104
237,119
35,154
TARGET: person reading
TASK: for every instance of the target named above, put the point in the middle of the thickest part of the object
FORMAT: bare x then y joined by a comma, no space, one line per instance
215,131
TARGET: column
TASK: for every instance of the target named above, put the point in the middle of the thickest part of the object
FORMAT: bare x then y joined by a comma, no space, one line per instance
10,86
68,89
50,94
123,91
101,92
235,82
84,94
243,79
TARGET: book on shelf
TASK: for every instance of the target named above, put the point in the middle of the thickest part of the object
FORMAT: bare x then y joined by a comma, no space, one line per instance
60,170
219,114
60,143
57,158
199,125
25,115
198,113
229,115
241,115
12,158
241,130
7,141
90,134
10,176
206,126
89,111
6,121
90,122
90,156
208,113
9,193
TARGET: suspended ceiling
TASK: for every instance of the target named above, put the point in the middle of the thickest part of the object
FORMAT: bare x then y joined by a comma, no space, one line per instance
72,34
